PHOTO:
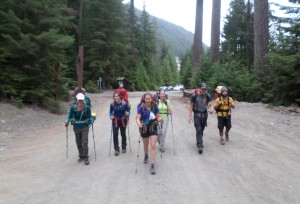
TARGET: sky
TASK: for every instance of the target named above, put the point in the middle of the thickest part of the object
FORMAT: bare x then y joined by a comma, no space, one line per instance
183,12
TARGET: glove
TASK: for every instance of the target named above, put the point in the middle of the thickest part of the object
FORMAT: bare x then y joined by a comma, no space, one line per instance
66,123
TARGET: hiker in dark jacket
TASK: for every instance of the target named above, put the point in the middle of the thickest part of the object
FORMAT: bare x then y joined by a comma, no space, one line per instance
198,105
119,112
146,119
80,117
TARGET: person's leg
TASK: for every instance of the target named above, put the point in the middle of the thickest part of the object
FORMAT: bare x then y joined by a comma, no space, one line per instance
123,135
146,145
116,139
164,133
78,139
221,129
153,139
228,127
199,131
85,142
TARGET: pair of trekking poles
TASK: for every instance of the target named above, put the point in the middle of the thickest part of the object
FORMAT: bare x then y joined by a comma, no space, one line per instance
67,145
138,155
111,136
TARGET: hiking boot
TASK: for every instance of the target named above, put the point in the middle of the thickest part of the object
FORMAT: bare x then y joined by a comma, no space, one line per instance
162,148
226,136
200,150
123,150
152,170
117,152
80,160
86,161
222,141
146,159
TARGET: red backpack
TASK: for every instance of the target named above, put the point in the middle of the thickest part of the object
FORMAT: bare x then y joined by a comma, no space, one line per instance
123,94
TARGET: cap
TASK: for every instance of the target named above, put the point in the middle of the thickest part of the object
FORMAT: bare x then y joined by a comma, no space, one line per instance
80,96
203,86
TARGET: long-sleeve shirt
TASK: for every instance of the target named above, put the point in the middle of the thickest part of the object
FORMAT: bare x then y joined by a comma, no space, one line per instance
118,109
81,118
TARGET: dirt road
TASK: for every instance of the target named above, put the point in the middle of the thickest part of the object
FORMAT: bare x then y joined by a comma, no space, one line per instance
260,163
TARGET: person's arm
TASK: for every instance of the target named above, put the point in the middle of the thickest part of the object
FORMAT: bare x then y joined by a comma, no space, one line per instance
169,107
211,105
111,112
71,112
157,115
89,113
217,103
231,103
138,117
127,110
191,112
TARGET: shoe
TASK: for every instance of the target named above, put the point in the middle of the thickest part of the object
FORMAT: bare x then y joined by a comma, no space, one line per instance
222,142
226,136
146,159
86,162
162,148
152,170
200,150
123,150
117,152
80,160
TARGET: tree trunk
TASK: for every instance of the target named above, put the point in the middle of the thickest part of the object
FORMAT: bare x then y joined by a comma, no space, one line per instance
215,30
80,21
197,49
261,35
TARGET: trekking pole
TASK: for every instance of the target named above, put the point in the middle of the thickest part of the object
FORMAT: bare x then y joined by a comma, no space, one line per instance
160,137
110,139
138,155
128,135
67,146
94,142
172,134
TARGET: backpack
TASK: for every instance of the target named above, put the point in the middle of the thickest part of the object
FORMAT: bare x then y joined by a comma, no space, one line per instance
123,94
194,96
217,92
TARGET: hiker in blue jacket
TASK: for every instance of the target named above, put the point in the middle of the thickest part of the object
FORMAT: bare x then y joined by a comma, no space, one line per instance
119,112
147,118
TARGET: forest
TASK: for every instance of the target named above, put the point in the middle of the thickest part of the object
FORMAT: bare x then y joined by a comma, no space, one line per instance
39,43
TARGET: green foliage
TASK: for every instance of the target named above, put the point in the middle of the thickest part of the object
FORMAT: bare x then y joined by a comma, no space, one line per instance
91,87
32,43
18,102
52,105
142,79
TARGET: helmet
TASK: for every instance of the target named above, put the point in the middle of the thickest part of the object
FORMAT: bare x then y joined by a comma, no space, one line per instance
224,89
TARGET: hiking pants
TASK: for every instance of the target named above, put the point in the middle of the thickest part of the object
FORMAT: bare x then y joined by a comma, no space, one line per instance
82,141
162,132
200,120
116,133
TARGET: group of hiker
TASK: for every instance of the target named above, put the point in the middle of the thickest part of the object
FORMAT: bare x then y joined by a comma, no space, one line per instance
153,113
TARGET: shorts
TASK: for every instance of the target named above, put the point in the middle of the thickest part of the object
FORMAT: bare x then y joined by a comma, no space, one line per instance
224,122
148,130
